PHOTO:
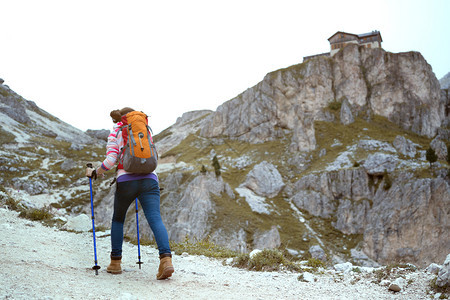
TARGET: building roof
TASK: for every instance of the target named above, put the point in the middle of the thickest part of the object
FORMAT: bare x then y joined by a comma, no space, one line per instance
373,33
355,35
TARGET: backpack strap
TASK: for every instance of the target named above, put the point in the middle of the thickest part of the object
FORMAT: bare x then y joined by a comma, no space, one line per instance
131,138
151,146
120,157
119,130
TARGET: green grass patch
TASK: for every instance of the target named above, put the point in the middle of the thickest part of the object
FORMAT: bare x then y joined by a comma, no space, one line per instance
332,238
6,136
297,70
4,92
378,128
236,213
196,150
266,260
202,247
162,135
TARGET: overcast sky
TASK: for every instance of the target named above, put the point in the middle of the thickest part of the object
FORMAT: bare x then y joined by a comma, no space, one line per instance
79,60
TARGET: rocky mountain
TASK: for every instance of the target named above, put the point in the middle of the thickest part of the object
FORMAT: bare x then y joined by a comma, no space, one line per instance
325,159
445,82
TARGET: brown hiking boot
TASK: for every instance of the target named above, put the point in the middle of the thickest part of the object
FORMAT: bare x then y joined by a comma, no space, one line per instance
165,266
114,266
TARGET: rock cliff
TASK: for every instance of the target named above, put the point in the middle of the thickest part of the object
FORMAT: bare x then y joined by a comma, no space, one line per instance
400,87
386,216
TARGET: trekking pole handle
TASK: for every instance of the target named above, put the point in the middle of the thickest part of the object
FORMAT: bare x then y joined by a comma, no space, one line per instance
91,172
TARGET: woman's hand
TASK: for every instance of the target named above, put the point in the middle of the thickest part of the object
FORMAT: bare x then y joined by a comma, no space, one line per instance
100,172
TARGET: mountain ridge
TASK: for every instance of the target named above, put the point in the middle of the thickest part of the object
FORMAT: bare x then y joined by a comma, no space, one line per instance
321,125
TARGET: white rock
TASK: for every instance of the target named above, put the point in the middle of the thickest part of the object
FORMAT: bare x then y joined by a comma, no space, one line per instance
317,252
79,223
256,203
346,113
376,163
444,273
292,252
254,252
433,268
360,258
264,179
385,282
397,285
371,145
405,146
267,240
440,148
344,268
308,277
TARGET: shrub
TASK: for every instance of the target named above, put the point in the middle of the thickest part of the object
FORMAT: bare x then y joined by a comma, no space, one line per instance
335,105
216,165
431,156
203,170
241,261
12,204
437,289
387,180
35,214
315,263
266,260
448,153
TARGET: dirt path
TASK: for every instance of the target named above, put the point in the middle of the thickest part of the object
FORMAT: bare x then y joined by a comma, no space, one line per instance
39,262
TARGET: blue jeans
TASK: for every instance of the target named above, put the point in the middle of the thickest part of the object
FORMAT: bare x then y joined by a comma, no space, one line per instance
147,191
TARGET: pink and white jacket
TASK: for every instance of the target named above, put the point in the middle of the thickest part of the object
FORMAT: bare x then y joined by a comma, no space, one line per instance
113,147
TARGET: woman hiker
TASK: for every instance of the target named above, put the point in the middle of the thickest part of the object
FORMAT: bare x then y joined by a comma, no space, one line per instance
130,186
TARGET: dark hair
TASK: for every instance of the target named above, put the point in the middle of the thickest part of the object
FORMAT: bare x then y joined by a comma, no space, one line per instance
117,114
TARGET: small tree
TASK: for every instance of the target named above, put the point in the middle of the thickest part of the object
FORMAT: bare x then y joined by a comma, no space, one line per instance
431,156
203,170
448,153
216,165
387,180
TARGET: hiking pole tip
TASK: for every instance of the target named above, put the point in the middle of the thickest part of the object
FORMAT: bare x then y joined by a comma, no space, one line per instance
96,268
139,263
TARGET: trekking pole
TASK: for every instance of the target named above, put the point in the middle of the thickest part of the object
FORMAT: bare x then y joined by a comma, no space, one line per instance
137,227
95,267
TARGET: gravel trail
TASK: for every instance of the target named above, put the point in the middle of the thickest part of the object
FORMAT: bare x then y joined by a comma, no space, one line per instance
39,262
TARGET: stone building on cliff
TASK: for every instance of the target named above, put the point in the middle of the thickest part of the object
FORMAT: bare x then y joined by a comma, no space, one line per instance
340,39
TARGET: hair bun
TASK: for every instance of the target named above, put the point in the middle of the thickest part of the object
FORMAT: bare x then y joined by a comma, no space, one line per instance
116,115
